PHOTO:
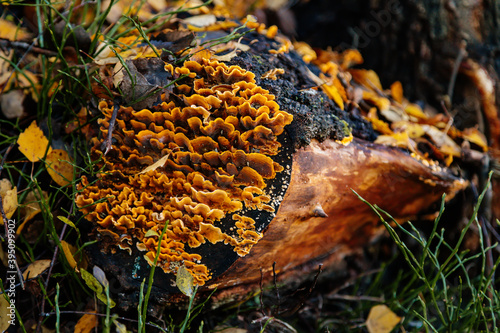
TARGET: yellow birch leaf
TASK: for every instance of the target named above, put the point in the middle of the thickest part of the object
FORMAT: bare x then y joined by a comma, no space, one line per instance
381,319
33,143
367,78
36,268
68,250
6,317
415,111
9,30
60,167
86,323
397,91
185,281
9,198
29,209
381,103
333,94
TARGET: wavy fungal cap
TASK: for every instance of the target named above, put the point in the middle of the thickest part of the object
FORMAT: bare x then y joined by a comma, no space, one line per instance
216,133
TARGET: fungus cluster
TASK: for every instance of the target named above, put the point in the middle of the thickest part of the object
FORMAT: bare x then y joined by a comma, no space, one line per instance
200,155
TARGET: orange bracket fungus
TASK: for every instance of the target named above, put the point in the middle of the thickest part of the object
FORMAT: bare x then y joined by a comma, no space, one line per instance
250,161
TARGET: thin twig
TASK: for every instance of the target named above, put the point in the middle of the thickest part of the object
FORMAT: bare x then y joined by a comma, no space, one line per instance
99,315
9,44
107,142
461,54
261,292
54,257
276,288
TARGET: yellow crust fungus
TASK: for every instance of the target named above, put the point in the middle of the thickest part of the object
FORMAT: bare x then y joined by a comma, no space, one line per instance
216,133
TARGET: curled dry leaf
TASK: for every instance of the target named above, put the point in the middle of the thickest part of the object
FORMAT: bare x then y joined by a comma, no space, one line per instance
381,319
33,143
60,166
36,268
86,323
9,198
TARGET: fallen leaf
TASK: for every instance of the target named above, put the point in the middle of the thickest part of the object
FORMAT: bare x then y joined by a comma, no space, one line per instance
143,83
367,78
473,135
172,40
86,323
9,30
100,276
185,281
397,91
36,268
333,93
445,144
5,314
96,286
5,69
120,328
201,21
29,209
60,166
237,47
11,104
415,111
67,221
381,319
69,250
33,143
9,198
157,164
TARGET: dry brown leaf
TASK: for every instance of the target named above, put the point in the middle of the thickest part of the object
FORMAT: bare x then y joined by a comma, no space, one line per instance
200,21
11,104
233,53
33,143
36,268
5,69
60,167
31,207
445,144
86,323
381,319
9,198
155,165
6,317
